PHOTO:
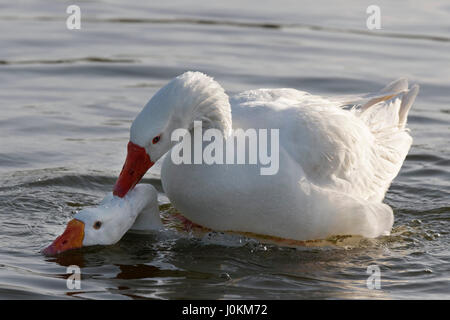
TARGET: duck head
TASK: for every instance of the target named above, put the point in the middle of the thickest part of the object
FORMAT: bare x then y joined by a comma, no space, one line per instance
110,220
190,97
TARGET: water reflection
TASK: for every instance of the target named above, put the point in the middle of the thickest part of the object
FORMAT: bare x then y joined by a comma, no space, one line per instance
150,267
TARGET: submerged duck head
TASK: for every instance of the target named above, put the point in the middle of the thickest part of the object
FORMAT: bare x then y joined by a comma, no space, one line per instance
108,222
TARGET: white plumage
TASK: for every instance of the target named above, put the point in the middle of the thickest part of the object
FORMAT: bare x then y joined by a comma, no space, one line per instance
335,164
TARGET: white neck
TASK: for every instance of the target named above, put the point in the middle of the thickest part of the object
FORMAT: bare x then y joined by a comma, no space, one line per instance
200,98
148,218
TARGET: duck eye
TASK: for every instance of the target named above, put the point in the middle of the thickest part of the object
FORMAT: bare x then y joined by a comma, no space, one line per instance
97,225
156,139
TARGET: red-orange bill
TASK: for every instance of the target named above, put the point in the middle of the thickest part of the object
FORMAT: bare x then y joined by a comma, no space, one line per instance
136,165
72,238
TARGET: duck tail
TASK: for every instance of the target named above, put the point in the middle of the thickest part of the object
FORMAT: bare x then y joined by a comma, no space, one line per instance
389,106
386,113
407,102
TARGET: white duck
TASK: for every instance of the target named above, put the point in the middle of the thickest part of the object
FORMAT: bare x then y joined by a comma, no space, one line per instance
335,163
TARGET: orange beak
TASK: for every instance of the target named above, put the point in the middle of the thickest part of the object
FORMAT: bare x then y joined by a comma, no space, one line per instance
136,165
72,238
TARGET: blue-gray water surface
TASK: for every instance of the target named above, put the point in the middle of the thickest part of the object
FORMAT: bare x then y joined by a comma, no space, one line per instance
68,97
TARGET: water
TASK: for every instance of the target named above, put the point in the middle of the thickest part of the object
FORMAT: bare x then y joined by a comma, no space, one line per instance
68,99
